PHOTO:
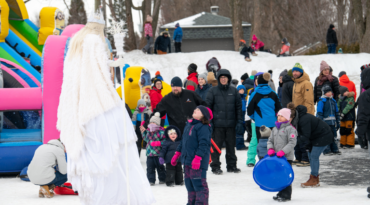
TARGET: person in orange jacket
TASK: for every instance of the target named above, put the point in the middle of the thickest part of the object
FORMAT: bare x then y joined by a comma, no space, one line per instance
285,48
344,81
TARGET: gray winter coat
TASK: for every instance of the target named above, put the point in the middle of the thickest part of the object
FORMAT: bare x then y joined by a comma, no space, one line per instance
41,169
284,139
272,85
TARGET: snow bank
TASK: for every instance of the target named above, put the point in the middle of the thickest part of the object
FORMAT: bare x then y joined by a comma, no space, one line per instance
176,64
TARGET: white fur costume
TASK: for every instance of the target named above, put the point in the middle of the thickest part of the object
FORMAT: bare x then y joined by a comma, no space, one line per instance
91,124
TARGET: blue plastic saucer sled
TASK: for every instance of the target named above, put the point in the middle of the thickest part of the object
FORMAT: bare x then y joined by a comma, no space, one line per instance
273,174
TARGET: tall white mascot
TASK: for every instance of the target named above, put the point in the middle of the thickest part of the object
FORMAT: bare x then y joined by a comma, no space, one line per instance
91,122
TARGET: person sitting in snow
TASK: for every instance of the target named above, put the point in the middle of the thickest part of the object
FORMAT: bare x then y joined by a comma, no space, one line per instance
141,113
245,50
282,142
173,140
48,167
154,136
256,44
285,48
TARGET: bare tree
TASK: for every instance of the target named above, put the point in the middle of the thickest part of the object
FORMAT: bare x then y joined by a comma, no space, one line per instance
77,13
362,19
130,41
236,21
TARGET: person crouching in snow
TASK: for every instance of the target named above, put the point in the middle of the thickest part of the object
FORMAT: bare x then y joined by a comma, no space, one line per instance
42,169
285,48
282,141
173,140
154,136
141,113
245,50
194,150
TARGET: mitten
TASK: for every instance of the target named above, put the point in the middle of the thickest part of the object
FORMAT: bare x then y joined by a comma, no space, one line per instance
175,158
156,144
239,129
271,152
195,164
161,160
280,153
341,116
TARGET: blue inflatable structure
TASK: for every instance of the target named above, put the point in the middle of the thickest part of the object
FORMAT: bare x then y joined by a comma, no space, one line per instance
273,174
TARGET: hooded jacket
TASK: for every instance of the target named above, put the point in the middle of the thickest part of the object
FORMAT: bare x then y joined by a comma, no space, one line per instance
331,37
287,91
196,140
334,85
211,76
311,130
243,96
162,43
257,45
248,83
177,34
327,110
169,147
192,81
149,137
363,111
41,169
346,106
284,139
155,97
303,93
225,103
344,81
139,117
263,106
203,90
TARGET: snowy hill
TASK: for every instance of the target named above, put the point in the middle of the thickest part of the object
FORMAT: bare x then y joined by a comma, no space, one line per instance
176,64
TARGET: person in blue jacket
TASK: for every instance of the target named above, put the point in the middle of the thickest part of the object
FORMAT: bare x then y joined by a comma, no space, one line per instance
240,138
263,104
194,150
177,38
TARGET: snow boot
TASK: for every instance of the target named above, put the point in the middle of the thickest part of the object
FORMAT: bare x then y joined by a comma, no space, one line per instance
151,183
171,184
368,191
350,147
244,148
337,153
45,191
217,171
276,197
250,165
234,170
295,162
254,54
41,195
328,154
248,59
312,182
162,182
282,199
303,164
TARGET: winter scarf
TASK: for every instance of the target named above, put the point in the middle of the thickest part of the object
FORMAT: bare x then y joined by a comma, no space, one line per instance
154,127
278,124
87,92
324,78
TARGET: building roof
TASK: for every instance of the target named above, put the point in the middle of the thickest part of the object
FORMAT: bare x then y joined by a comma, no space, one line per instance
202,20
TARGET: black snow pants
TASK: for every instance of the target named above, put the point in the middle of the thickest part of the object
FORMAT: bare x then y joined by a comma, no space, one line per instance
174,174
221,135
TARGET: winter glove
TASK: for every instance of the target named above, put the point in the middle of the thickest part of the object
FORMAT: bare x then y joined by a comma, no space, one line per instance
161,160
239,129
341,116
156,144
271,152
195,164
280,153
175,158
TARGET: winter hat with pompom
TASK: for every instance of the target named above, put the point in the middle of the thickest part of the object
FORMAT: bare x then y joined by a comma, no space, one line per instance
265,131
285,112
206,112
254,38
323,66
264,78
156,118
253,73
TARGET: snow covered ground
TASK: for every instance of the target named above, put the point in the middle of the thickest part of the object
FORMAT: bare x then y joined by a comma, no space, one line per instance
226,189
232,188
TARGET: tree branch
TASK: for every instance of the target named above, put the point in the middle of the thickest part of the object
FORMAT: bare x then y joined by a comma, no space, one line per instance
27,1
139,8
65,3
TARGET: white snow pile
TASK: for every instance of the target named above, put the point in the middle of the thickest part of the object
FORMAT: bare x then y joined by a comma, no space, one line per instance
176,64
188,21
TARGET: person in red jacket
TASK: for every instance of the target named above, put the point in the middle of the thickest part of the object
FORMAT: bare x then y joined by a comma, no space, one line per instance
344,81
155,95
192,79
256,44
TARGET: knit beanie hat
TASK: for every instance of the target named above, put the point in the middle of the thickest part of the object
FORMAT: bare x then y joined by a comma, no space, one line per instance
177,25
284,73
342,90
192,68
365,66
244,76
234,82
290,73
253,73
156,118
204,76
176,81
298,67
157,73
206,112
264,78
141,102
323,66
285,112
155,81
270,71
326,89
331,26
265,131
342,73
254,38
340,50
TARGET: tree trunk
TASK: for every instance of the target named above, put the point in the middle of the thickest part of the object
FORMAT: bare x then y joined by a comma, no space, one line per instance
97,5
362,24
156,10
146,10
236,21
130,42
257,22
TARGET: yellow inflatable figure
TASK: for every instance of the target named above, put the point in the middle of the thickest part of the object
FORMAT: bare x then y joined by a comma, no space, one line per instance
4,23
137,85
51,23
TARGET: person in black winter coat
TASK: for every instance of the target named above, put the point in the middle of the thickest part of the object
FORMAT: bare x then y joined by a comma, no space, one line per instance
280,88
331,39
326,78
363,111
315,134
162,43
226,104
178,105
173,140
247,82
287,89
